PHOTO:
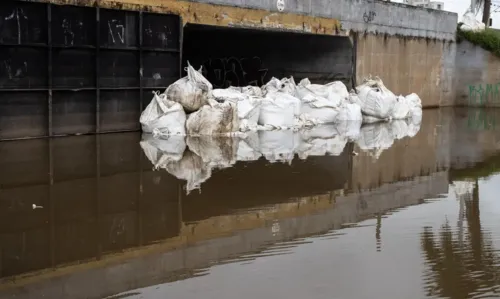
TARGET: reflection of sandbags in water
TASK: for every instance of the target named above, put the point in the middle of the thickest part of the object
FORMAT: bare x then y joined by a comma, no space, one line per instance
162,151
214,151
399,129
349,129
190,168
249,148
320,141
376,138
277,145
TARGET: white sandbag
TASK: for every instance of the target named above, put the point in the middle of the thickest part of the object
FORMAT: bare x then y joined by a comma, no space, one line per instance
279,110
191,91
277,146
252,91
415,107
349,112
248,107
470,23
249,148
219,152
163,151
285,85
318,110
191,169
401,108
333,92
375,99
218,119
163,117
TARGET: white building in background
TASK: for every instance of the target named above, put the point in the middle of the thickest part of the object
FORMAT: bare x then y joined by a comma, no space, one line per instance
425,3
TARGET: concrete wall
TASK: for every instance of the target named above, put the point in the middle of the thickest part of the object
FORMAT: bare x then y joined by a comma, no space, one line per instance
408,65
476,69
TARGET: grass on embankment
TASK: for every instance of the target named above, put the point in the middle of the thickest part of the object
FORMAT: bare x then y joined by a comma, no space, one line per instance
489,39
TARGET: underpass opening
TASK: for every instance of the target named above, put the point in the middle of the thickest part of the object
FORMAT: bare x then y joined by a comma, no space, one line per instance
242,57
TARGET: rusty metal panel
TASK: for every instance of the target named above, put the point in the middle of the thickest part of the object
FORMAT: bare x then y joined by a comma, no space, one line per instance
118,29
23,23
160,69
73,69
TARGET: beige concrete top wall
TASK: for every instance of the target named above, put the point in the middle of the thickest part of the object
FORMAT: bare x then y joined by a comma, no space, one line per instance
420,66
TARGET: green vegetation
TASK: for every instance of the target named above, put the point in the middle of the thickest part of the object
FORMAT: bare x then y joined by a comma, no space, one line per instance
488,39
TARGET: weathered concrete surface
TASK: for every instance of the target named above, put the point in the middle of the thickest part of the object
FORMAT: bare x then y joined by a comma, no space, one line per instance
408,65
162,263
320,16
477,72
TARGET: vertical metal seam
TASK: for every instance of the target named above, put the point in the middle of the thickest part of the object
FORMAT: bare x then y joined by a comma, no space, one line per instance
141,61
49,70
97,66
181,44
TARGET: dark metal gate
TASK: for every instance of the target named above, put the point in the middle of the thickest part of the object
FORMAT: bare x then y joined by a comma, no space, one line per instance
80,70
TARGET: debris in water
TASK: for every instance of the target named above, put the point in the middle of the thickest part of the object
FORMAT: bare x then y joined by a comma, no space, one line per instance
37,207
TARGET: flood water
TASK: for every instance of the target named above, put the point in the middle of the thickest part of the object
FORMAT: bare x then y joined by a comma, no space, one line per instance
127,216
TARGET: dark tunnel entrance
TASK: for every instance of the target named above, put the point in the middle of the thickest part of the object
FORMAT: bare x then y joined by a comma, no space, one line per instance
240,57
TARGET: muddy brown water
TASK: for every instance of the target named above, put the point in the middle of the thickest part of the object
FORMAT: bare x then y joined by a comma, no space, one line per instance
418,218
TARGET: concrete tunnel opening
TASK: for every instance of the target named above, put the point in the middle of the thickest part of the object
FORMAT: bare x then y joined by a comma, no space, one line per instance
241,57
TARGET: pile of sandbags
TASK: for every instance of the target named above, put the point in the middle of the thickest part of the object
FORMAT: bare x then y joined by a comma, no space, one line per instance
191,106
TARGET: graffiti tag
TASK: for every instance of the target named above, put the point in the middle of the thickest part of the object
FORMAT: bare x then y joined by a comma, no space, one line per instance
478,94
368,17
225,72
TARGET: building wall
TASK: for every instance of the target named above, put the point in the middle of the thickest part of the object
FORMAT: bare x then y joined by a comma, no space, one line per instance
476,70
408,65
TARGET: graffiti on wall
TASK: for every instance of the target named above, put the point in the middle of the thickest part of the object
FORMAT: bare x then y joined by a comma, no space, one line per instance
483,93
368,17
225,72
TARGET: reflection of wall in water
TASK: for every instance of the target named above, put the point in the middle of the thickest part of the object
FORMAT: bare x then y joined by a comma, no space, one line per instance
407,158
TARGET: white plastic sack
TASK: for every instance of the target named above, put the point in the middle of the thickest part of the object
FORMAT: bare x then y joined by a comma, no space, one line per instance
191,91
349,112
415,107
279,110
248,107
285,85
163,117
401,109
470,23
191,169
318,110
163,151
217,152
375,99
218,119
334,92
